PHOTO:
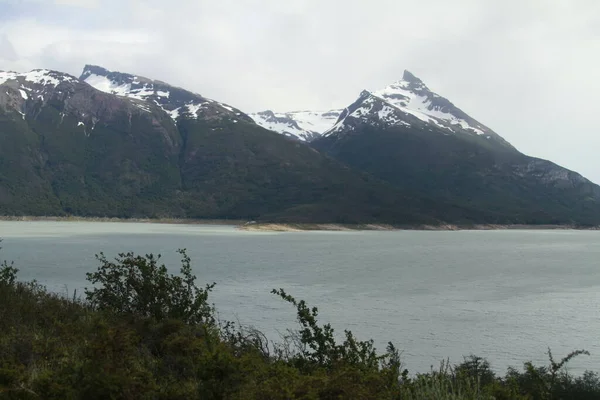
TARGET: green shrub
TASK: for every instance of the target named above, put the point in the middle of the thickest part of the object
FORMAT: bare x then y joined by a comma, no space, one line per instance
139,286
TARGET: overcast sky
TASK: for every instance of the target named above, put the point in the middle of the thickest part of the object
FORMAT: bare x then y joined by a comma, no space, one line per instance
529,69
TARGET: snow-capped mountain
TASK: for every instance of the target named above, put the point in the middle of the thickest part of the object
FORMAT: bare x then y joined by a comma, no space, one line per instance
409,102
34,79
413,138
173,100
78,105
67,148
35,86
302,125
122,145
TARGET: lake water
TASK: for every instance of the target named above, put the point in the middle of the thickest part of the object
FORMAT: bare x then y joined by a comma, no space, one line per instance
503,295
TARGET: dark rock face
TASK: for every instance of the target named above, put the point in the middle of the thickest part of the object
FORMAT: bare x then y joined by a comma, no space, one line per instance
409,77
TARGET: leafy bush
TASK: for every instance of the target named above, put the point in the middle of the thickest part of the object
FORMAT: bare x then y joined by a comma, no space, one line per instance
139,286
8,274
317,346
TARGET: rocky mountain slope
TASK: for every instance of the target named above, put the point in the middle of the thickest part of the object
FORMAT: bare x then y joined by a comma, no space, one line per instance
120,145
409,102
142,148
419,141
173,100
405,102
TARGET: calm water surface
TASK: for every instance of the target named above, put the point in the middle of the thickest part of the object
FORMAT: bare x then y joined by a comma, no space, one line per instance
504,295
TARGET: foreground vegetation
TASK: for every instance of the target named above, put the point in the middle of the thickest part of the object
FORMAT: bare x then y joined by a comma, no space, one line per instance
142,333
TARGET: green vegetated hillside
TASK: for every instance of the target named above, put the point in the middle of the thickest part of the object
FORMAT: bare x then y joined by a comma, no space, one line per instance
506,186
121,167
74,150
155,151
248,172
137,165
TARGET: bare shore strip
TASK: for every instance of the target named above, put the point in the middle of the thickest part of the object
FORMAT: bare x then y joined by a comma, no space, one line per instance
179,221
298,227
291,227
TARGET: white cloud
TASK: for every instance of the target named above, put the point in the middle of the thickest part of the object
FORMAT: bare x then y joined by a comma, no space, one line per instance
79,3
527,69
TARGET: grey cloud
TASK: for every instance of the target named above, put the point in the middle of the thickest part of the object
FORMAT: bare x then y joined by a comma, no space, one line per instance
7,50
527,69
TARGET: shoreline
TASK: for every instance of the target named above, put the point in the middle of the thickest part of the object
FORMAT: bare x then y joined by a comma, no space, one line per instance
304,227
174,221
299,227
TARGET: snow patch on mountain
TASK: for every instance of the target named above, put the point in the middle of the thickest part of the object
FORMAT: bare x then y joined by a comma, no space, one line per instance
143,107
194,108
225,106
404,103
173,100
409,102
301,125
416,99
35,85
143,92
104,84
388,113
36,76
6,76
174,113
280,126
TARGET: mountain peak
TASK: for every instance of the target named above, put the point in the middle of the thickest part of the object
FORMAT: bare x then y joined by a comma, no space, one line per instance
409,102
410,77
267,113
93,69
408,83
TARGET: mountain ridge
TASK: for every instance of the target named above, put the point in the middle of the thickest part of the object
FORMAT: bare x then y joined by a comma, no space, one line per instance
174,100
120,145
406,97
67,148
